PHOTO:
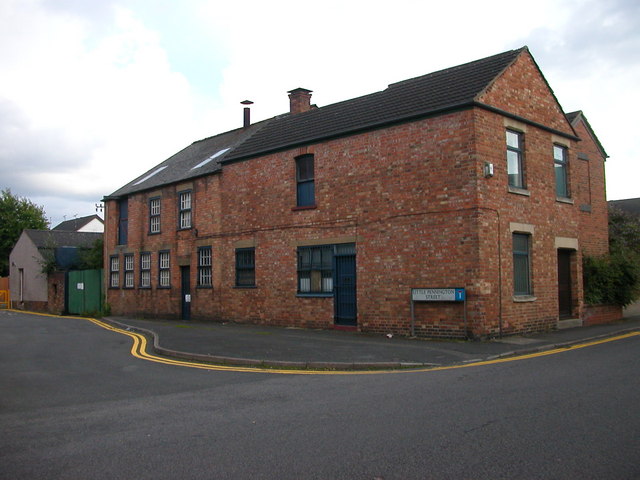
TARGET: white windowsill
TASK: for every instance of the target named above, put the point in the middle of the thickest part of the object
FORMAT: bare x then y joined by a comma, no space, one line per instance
519,191
524,298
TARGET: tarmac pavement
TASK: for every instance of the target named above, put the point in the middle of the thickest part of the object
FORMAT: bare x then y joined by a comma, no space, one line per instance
279,347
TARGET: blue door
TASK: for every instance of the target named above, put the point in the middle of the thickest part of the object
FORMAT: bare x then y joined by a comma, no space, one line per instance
345,290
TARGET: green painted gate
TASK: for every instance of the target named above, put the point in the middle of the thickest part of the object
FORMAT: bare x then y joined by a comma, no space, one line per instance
84,291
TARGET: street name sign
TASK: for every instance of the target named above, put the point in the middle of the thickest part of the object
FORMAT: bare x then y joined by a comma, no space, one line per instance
438,294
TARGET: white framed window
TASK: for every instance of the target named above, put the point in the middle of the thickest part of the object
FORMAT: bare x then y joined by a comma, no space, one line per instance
128,270
204,266
145,270
114,271
560,163
164,271
515,159
154,215
184,207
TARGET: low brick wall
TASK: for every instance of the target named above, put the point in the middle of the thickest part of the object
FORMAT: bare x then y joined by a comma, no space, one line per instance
600,314
31,306
56,293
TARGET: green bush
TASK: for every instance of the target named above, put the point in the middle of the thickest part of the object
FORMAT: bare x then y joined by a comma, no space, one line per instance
611,280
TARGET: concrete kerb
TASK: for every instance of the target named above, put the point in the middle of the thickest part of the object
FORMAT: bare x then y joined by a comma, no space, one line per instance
249,362
198,357
557,346
346,366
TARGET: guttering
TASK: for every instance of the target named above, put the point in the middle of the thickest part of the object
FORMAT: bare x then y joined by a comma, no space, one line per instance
504,113
390,122
350,131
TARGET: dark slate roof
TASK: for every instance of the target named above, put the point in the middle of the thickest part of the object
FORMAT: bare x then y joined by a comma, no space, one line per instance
76,224
61,238
575,117
628,205
437,92
414,98
182,165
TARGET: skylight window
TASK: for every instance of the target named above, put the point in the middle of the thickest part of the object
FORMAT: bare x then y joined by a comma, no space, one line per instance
144,179
208,159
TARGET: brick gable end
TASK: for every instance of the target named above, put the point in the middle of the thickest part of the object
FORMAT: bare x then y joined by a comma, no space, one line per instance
522,90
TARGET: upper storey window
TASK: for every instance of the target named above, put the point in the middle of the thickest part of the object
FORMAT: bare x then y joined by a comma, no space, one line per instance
515,159
154,215
560,162
123,221
305,181
184,207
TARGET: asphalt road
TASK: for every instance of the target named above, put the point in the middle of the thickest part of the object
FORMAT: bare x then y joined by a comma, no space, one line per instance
75,404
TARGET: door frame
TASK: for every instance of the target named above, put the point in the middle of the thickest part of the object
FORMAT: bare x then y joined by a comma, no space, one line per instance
185,292
564,267
338,259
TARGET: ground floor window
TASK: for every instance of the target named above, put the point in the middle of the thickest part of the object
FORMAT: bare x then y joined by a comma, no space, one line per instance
164,272
245,267
204,266
315,269
114,271
521,264
128,270
145,270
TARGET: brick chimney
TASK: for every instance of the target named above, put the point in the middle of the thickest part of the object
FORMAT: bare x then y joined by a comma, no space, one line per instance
299,100
246,113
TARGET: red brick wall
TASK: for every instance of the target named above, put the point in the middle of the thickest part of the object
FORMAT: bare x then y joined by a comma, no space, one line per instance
521,90
56,293
387,190
590,191
601,314
414,199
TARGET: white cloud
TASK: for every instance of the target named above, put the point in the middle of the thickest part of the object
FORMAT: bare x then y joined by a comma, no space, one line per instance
90,96
88,115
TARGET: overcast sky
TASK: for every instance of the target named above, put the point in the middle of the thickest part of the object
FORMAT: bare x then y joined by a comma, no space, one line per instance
95,92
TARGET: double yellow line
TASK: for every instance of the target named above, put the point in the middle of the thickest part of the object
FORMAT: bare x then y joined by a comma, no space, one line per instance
139,350
139,347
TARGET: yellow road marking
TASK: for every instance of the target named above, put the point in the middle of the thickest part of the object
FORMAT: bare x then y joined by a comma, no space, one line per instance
139,350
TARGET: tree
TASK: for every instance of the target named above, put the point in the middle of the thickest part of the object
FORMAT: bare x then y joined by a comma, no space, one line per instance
16,214
624,232
615,278
91,258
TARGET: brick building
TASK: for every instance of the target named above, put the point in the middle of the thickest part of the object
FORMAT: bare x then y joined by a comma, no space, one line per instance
327,217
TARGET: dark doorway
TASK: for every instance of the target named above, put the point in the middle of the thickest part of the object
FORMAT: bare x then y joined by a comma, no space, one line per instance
185,274
564,284
345,291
